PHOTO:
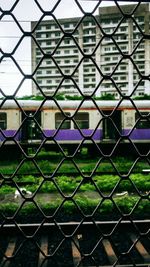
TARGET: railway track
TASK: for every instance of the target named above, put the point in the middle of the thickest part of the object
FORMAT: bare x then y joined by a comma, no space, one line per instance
72,244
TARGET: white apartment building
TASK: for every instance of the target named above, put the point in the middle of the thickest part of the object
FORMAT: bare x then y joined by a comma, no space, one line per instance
100,54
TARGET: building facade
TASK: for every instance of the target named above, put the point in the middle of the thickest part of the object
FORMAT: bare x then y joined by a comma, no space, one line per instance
106,53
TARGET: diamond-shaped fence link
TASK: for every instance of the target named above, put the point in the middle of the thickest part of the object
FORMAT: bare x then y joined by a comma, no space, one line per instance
75,166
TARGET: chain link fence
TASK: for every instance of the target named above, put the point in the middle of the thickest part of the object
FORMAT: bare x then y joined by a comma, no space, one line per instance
75,173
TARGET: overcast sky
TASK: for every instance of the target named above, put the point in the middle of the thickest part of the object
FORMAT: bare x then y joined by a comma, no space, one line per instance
25,12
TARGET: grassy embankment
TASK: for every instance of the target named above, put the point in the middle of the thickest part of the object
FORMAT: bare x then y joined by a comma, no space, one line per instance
92,192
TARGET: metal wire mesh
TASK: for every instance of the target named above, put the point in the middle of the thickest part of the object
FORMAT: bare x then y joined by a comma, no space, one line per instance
63,214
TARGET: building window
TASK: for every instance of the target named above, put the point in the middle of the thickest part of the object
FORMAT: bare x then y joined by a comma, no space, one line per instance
141,46
123,48
140,19
86,50
107,30
38,53
67,81
57,81
82,120
141,56
107,48
66,41
48,43
39,28
123,37
66,25
86,70
67,71
67,52
123,78
39,72
3,120
57,52
58,61
86,31
48,35
59,117
67,61
106,69
86,23
48,62
115,58
86,80
85,39
39,81
57,34
115,20
38,35
141,66
123,29
49,81
48,27
107,58
123,68
48,71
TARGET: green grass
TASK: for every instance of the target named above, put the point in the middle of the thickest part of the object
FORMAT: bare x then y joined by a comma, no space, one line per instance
128,206
105,183
48,163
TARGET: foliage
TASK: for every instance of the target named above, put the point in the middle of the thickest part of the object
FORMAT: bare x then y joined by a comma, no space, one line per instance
88,207
48,162
60,96
63,96
85,163
26,179
74,97
8,208
6,189
105,183
106,97
144,97
31,97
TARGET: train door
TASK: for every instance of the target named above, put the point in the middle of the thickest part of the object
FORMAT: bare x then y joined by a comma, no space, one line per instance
30,130
109,130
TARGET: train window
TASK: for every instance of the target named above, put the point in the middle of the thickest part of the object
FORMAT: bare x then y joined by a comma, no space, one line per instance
3,120
59,117
82,120
143,123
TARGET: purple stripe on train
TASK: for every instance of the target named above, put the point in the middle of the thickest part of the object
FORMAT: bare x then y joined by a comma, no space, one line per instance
9,133
73,134
138,134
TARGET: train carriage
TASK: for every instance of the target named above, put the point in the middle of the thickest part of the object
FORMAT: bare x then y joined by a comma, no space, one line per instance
70,122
